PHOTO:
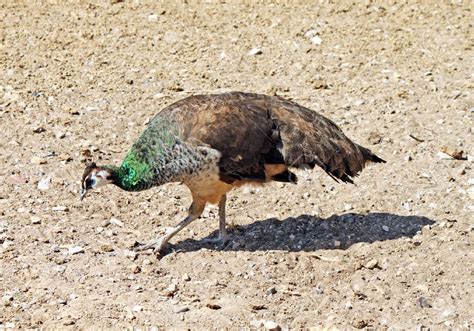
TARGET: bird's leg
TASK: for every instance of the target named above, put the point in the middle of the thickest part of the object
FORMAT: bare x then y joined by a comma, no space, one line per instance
223,236
222,225
194,212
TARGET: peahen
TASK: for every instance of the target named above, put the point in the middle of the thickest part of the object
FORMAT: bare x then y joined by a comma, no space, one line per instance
213,143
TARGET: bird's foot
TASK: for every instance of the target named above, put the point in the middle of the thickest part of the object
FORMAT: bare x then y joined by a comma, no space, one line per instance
221,239
158,245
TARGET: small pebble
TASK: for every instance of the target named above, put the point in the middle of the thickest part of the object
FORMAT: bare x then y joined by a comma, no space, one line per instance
271,326
116,221
106,248
316,40
423,302
271,290
35,220
60,208
256,323
130,254
137,308
75,250
385,228
372,264
69,321
37,160
43,184
359,324
213,306
135,268
153,18
255,51
170,290
186,278
444,156
17,179
407,206
359,102
60,135
39,129
310,33
138,288
179,310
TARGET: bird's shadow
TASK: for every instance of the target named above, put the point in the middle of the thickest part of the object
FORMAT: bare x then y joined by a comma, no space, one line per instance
311,233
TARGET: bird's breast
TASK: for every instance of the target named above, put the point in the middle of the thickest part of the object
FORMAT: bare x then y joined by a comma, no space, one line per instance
206,184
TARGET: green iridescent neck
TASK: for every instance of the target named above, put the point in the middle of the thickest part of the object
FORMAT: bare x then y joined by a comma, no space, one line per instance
147,162
132,175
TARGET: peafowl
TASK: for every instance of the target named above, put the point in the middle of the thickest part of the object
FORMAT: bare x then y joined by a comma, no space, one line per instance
214,143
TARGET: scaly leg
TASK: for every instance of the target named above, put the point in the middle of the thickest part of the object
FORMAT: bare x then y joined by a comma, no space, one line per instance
223,236
159,244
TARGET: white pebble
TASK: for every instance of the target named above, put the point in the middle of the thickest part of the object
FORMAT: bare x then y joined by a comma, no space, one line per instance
43,184
116,221
130,254
137,308
310,33
60,208
316,40
153,18
255,51
444,156
385,228
256,323
75,250
359,102
347,206
37,160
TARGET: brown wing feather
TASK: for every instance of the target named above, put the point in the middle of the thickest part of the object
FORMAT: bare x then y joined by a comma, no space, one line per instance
310,138
252,130
239,128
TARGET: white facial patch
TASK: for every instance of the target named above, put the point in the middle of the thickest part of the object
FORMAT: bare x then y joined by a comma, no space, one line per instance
99,178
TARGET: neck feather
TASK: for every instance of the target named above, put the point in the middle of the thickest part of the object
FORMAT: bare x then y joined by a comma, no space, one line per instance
126,177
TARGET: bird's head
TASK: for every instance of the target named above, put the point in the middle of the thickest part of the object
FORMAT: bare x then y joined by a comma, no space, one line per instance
94,177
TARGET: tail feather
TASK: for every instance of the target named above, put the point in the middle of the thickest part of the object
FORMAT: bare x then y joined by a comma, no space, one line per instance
370,156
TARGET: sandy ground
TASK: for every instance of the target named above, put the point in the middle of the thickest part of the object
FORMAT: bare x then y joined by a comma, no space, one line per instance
79,81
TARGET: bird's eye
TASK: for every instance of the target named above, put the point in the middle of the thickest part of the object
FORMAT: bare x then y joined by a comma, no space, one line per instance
89,183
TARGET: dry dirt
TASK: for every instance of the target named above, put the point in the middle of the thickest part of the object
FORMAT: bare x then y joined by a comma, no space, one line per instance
394,250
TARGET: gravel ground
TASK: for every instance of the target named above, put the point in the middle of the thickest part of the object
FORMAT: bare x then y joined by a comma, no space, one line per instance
79,81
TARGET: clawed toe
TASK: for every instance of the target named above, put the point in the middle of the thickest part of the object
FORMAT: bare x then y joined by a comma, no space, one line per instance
219,240
158,245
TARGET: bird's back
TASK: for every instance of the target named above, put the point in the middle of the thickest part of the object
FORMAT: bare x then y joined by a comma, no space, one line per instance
258,135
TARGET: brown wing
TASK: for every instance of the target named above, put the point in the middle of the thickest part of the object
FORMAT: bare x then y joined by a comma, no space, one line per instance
312,139
238,126
252,130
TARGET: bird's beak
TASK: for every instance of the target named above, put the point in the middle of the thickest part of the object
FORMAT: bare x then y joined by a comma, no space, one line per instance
83,193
